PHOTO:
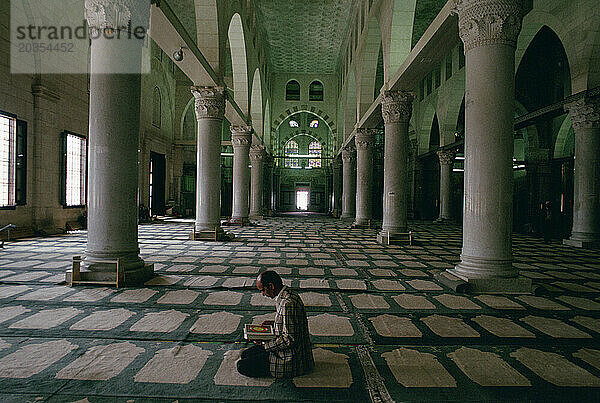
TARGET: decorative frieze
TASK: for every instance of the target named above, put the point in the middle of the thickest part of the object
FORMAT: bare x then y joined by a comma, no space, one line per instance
124,15
349,153
585,113
210,102
241,136
365,139
446,157
257,153
396,106
489,22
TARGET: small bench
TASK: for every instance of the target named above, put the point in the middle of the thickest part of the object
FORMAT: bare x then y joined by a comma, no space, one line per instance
76,274
400,237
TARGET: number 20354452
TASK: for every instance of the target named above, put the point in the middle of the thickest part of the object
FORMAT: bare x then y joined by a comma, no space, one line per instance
40,47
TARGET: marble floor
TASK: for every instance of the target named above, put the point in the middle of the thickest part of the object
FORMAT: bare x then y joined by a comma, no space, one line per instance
383,328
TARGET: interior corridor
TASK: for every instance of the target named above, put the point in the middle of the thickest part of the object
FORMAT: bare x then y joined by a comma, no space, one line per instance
383,328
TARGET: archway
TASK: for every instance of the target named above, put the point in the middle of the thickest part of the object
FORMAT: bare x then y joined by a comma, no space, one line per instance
350,112
237,45
256,105
368,66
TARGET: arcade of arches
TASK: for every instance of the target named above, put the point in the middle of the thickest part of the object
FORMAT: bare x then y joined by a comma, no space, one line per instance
388,120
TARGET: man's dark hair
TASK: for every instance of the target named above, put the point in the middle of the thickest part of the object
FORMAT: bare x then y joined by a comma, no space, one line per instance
270,277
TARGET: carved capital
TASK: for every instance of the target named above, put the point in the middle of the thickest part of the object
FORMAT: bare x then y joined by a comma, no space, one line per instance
257,153
585,113
349,153
446,157
489,22
396,106
365,139
241,136
117,14
210,102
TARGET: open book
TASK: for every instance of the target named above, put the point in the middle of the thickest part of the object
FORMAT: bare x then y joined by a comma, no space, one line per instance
258,332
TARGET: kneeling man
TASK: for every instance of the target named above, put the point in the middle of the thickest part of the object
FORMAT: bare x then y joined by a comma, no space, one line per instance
289,354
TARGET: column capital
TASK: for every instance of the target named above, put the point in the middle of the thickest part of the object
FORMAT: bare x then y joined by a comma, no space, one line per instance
241,136
585,113
210,102
446,156
396,106
489,22
258,153
117,14
349,153
365,139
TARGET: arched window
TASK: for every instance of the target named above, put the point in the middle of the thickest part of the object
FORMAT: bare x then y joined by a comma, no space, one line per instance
291,148
292,91
156,107
314,148
315,91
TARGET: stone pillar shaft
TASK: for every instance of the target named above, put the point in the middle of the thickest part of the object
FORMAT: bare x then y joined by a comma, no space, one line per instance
364,140
337,166
349,182
113,144
396,110
446,163
241,139
489,30
257,158
585,117
210,109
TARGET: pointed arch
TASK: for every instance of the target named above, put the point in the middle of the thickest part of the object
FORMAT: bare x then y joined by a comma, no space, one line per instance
267,126
256,104
565,140
426,122
237,44
368,63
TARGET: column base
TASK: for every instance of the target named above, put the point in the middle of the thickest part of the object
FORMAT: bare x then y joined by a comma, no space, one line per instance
494,285
441,220
394,237
362,223
345,216
582,243
256,217
216,235
239,221
128,278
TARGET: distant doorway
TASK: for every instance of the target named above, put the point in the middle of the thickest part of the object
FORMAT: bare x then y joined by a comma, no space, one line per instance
302,199
157,183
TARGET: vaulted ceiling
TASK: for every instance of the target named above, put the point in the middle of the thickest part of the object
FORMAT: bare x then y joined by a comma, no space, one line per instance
305,36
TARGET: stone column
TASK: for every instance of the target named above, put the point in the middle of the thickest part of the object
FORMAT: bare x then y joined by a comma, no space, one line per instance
241,139
257,158
337,167
412,178
364,140
585,118
349,182
396,109
269,197
210,110
114,116
489,30
446,162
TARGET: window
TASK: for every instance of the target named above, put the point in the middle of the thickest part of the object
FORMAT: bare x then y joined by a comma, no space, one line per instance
291,148
314,124
156,107
13,161
437,76
315,91
292,91
314,149
74,172
8,152
293,123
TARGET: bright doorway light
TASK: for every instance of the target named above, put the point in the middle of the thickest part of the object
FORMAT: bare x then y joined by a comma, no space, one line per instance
302,200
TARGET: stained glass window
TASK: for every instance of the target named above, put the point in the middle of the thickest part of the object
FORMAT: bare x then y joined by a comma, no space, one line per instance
291,148
314,148
314,124
293,123
8,148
